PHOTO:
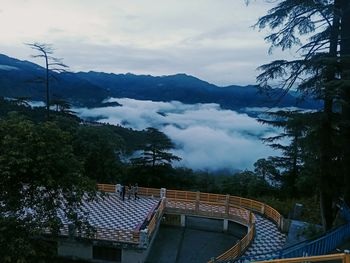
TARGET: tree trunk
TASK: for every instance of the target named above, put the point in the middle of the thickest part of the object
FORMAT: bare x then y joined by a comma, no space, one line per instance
345,94
47,88
327,179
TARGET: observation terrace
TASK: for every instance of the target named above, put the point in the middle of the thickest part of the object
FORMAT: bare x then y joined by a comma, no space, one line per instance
126,230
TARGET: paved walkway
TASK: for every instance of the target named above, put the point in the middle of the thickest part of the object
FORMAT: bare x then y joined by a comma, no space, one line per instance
267,237
110,212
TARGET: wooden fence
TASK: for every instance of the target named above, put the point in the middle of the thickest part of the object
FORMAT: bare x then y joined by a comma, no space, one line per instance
341,258
210,205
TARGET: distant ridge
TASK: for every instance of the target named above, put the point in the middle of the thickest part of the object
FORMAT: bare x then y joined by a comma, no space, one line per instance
91,88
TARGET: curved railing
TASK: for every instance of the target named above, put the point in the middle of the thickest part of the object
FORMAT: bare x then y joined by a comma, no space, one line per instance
342,257
209,205
319,246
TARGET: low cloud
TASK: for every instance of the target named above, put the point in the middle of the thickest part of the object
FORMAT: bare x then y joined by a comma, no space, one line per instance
206,136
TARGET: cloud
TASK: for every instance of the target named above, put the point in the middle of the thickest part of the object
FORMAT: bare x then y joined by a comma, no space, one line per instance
212,40
206,136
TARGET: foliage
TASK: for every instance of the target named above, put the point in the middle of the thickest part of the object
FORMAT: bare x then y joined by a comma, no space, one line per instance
155,150
99,147
39,175
321,31
266,169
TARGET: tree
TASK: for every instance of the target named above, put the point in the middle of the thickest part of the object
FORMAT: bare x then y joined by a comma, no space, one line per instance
155,150
99,149
266,169
290,161
154,163
62,106
316,72
344,86
40,176
52,64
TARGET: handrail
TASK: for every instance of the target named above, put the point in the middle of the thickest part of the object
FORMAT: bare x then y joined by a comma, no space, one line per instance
212,205
222,206
107,234
319,246
345,258
155,219
237,249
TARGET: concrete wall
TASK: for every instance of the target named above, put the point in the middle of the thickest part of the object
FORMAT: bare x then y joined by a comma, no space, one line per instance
74,249
132,255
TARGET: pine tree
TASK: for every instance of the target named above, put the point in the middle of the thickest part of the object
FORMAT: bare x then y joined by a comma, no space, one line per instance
316,72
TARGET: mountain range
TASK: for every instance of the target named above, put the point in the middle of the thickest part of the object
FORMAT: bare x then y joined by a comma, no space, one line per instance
23,79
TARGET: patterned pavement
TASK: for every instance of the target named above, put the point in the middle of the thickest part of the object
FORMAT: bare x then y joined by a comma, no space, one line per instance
267,238
110,212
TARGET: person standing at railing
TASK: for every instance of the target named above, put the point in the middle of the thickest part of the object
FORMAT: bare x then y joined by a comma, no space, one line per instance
129,191
123,192
136,189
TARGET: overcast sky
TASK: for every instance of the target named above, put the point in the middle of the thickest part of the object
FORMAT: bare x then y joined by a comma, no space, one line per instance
210,39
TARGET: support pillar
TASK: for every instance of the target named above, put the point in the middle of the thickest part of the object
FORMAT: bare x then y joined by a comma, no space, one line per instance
183,220
225,225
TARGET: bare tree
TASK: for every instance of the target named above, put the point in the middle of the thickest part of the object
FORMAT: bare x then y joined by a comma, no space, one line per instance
52,64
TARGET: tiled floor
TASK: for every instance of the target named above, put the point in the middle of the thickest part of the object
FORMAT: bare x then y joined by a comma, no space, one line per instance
110,212
267,238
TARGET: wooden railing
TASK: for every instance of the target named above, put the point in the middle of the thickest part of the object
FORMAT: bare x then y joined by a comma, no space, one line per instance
154,192
343,258
215,206
156,218
233,208
237,249
106,234
109,188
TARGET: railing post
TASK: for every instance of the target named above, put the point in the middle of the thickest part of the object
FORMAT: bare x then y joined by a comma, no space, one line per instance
347,258
118,188
197,201
164,202
263,209
144,238
227,202
250,218
162,192
280,223
212,260
135,236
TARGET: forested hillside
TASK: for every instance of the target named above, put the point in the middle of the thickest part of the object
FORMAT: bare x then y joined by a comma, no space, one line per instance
22,79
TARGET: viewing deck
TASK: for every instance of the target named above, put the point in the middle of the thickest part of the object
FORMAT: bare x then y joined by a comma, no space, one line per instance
116,220
133,223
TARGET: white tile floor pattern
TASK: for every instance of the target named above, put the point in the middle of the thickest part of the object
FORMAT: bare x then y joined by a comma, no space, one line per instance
267,238
110,212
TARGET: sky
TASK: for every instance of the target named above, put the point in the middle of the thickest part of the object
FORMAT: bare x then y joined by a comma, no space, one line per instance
210,39
206,137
